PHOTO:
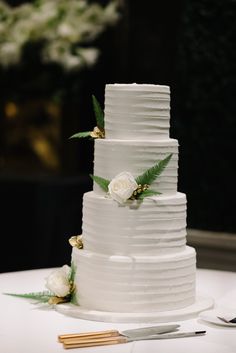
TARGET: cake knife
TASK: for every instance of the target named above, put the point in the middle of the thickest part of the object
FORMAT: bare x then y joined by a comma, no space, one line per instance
145,331
108,336
82,343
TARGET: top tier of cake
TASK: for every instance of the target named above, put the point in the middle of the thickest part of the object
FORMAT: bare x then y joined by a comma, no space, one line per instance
137,111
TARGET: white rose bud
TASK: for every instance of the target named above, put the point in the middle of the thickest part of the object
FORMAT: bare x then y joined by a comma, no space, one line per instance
58,283
122,187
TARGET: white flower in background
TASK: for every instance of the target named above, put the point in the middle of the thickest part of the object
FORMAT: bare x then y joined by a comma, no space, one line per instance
58,281
66,31
10,53
71,62
59,52
122,187
53,51
89,55
110,13
54,22
22,33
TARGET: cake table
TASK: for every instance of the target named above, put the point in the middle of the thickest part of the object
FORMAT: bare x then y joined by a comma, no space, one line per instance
25,328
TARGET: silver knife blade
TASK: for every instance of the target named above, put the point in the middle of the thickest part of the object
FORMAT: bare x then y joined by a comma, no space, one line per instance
167,336
149,331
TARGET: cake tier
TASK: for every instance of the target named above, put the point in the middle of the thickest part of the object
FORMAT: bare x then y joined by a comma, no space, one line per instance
134,283
111,157
157,225
137,111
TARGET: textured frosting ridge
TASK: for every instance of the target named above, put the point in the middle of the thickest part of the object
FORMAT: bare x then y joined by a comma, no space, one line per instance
137,111
135,283
156,226
113,156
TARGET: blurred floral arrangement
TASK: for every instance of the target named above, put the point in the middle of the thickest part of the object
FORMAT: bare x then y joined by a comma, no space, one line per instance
65,28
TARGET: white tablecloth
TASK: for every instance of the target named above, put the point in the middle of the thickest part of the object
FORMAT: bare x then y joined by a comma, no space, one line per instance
24,328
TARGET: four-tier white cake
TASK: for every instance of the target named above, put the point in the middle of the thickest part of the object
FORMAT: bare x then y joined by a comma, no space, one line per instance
135,258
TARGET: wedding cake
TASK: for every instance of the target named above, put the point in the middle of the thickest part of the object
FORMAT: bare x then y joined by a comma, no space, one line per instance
131,264
134,257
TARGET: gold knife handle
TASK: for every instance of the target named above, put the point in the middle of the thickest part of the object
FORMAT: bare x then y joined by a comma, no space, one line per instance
94,342
91,335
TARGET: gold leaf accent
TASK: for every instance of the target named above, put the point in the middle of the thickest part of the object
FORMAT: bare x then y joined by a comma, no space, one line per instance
139,190
97,133
76,241
57,300
72,287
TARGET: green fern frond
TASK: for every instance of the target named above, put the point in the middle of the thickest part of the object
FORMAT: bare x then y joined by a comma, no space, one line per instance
150,175
147,193
72,272
98,113
103,183
81,135
73,298
42,297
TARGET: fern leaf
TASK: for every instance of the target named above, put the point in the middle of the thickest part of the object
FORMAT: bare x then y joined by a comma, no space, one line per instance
150,175
81,135
73,299
98,113
72,272
42,297
103,183
148,193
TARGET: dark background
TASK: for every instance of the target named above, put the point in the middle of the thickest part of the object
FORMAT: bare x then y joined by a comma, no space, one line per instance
188,45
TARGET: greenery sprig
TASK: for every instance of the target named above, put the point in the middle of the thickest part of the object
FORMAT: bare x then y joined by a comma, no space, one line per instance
103,183
143,181
147,193
41,297
99,114
98,131
151,174
50,297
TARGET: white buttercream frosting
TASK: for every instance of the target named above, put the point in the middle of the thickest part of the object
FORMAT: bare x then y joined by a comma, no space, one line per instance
135,156
134,111
157,225
135,283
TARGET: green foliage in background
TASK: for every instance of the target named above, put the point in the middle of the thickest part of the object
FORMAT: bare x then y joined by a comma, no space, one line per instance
65,29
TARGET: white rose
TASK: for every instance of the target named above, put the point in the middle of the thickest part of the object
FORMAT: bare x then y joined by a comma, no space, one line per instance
58,283
122,187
